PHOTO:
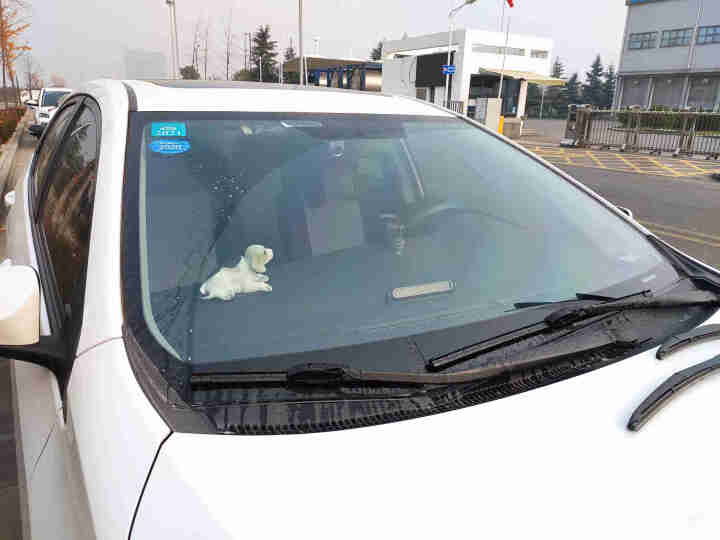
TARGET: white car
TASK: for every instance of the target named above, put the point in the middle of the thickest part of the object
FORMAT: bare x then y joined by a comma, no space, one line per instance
45,106
277,312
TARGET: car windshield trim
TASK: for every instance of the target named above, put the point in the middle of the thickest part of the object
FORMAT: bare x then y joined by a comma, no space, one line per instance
410,347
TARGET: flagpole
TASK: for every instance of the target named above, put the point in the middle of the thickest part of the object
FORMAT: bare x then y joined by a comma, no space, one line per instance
502,71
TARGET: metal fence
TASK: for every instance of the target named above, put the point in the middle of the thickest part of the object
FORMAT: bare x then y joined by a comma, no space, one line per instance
458,106
656,132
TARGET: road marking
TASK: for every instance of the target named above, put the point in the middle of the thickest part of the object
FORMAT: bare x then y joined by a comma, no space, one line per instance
680,230
628,162
596,160
657,162
686,162
688,238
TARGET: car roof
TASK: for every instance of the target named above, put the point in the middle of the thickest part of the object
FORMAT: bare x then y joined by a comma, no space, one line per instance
186,95
56,89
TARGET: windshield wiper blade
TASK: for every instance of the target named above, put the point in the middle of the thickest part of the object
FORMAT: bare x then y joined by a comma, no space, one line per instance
687,338
566,316
578,296
337,375
675,384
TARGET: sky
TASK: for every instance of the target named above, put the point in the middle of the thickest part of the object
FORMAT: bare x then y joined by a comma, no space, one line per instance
86,39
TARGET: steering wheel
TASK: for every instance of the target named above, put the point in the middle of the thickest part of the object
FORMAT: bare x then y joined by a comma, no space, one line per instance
423,216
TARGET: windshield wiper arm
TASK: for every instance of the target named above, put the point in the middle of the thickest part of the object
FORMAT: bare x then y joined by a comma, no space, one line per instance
564,316
578,296
675,384
338,375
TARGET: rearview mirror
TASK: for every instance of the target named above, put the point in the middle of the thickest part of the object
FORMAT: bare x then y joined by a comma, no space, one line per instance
19,305
31,103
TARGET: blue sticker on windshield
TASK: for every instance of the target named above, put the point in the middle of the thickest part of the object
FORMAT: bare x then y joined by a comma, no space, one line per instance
170,147
168,129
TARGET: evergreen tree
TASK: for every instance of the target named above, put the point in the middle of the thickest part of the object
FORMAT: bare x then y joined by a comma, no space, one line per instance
291,77
608,86
592,90
556,99
558,69
189,72
573,89
290,52
264,54
244,75
376,52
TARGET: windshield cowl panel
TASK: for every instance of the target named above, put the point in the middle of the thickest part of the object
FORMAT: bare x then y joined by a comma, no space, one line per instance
267,240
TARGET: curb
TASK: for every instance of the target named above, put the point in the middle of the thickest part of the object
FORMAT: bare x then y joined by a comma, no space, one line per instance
9,151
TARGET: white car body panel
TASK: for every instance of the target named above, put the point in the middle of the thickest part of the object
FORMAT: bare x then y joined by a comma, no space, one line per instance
555,462
117,433
103,304
152,97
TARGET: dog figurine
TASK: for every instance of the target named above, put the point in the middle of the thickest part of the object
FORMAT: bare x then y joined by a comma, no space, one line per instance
248,276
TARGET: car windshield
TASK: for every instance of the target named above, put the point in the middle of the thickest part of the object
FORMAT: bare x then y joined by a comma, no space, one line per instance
51,98
262,235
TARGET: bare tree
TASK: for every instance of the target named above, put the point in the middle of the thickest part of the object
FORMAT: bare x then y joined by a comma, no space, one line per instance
228,45
57,80
32,71
196,44
206,38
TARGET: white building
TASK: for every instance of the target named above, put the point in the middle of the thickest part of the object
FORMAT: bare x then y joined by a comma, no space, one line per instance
412,66
670,54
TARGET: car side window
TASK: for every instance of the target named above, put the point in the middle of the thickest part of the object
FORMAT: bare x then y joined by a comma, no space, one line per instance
49,145
66,215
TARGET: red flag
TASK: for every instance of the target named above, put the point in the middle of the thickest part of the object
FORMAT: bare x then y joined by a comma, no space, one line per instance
510,3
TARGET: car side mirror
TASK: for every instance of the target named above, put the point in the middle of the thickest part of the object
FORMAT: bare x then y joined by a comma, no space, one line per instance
19,305
31,103
626,211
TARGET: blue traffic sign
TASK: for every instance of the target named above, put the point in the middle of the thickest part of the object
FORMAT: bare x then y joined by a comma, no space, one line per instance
448,69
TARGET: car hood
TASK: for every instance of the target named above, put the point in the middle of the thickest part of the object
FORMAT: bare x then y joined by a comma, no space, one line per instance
556,461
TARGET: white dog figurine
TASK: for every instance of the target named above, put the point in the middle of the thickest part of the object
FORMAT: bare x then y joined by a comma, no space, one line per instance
245,278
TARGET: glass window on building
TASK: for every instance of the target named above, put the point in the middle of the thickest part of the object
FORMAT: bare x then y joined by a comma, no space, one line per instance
635,92
676,38
703,94
490,49
537,53
668,92
708,35
513,51
644,40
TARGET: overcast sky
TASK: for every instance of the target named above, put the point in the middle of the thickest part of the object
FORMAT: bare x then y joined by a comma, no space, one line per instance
85,39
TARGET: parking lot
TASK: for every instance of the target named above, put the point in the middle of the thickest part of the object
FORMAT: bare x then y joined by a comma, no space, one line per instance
665,166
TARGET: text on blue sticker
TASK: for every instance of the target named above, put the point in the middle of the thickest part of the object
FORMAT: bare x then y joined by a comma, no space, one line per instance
169,147
168,129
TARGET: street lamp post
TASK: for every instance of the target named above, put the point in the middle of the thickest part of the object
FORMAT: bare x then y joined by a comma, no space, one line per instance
174,47
301,58
451,18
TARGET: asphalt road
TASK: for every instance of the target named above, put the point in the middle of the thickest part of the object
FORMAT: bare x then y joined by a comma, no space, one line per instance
685,212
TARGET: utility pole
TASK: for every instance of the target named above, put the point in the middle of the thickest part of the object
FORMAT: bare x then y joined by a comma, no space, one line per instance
301,58
502,71
451,20
174,47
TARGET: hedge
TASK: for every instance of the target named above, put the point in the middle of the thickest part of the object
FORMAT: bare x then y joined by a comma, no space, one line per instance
9,119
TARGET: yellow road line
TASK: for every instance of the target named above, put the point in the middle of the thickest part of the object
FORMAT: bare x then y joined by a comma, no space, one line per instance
628,162
659,164
686,162
596,160
680,230
688,238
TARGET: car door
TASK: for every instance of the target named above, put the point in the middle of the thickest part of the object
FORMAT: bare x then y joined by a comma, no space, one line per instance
60,194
